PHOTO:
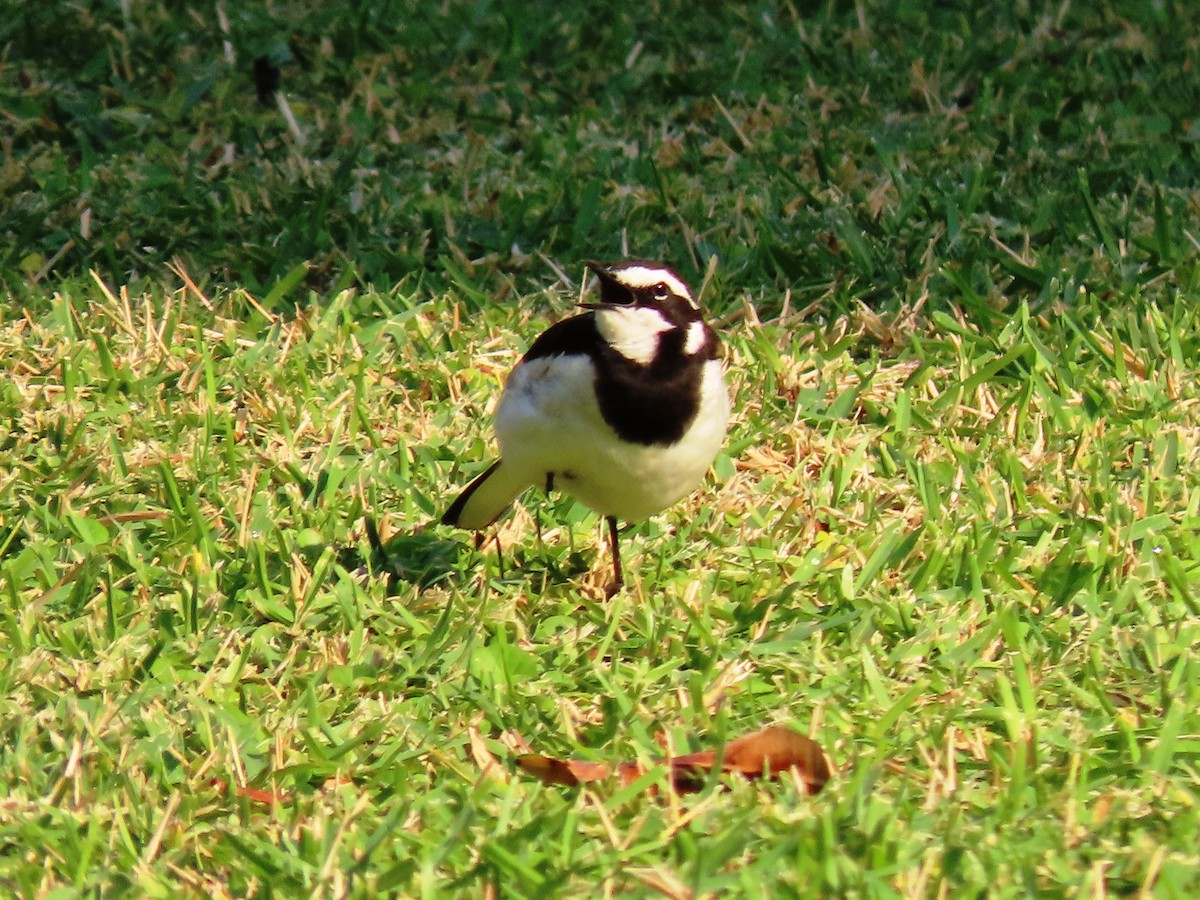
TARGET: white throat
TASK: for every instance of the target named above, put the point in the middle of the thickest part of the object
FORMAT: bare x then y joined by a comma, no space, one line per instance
632,331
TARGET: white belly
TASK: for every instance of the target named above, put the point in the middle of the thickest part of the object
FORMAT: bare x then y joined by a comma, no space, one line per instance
548,421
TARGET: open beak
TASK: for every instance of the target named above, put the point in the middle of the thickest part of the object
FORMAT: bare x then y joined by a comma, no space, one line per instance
612,292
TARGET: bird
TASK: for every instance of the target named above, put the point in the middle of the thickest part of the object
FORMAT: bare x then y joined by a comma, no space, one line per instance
622,406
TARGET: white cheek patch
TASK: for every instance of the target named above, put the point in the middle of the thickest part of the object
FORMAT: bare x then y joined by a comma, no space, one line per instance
632,331
695,339
638,277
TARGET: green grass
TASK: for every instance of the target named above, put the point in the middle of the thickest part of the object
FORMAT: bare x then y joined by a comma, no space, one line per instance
955,535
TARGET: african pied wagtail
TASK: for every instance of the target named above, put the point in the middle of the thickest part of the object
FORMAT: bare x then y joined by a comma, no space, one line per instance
623,407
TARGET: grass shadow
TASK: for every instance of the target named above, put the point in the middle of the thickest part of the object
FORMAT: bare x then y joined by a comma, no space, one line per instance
417,557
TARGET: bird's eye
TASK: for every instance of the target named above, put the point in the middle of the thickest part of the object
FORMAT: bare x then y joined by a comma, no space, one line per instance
661,291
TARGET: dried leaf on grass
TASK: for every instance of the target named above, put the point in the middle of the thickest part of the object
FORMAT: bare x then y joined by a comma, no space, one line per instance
762,754
255,795
570,772
271,798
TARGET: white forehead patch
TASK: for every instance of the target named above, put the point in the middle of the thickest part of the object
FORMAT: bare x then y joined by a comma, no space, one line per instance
632,331
638,276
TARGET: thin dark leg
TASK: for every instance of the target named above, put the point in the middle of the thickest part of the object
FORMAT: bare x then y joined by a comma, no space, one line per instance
499,554
614,541
537,515
374,541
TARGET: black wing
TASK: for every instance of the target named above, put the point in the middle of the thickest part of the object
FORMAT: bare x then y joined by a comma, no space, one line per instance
576,336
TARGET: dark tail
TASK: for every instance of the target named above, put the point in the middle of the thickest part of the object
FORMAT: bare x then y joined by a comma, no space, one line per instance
485,499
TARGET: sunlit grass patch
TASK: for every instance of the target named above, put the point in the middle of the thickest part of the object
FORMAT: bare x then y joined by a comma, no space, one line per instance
953,535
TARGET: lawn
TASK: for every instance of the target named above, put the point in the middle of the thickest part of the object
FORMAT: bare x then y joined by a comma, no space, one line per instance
251,343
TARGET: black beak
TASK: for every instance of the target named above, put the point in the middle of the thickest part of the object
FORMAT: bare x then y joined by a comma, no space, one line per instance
612,292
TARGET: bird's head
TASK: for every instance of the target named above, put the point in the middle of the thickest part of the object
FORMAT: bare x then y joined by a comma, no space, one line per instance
641,283
640,303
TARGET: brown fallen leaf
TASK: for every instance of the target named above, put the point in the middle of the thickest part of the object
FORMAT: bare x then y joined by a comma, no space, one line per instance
270,798
257,795
571,772
767,753
761,754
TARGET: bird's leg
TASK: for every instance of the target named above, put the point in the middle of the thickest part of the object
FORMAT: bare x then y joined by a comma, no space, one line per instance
480,538
614,541
537,512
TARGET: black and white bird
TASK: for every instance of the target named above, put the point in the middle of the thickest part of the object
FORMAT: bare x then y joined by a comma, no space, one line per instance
623,407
